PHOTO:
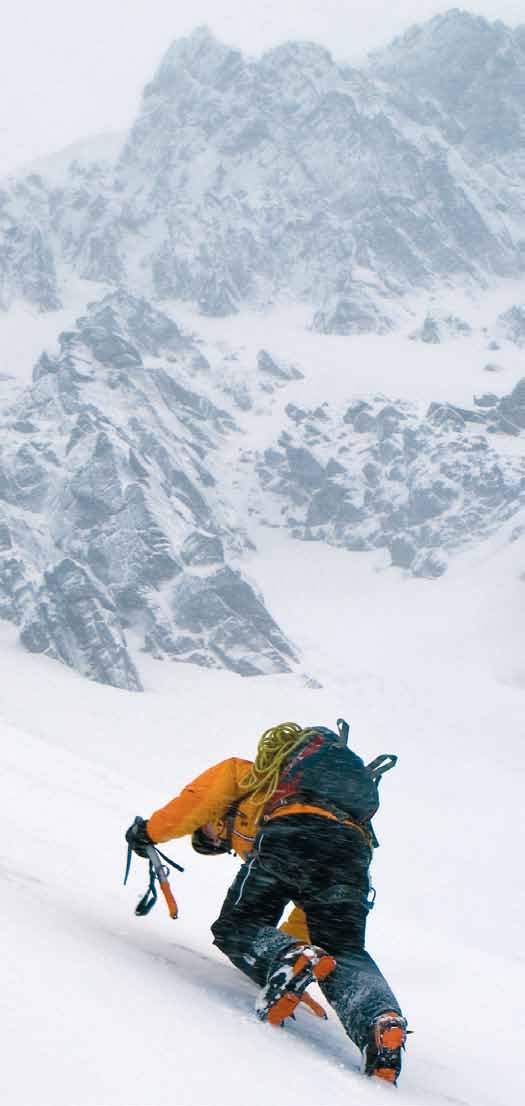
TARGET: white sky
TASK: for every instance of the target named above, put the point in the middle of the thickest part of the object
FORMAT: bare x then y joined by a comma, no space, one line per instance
71,68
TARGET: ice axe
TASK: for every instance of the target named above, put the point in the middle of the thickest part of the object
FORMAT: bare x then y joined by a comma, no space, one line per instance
159,871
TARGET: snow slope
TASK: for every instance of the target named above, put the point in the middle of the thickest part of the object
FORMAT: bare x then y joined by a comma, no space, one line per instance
117,1010
337,367
99,1006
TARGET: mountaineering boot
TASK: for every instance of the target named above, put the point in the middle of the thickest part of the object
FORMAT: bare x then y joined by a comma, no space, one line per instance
297,968
386,1041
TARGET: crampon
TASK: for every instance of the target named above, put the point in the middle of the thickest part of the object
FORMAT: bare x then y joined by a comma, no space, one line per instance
287,982
383,1051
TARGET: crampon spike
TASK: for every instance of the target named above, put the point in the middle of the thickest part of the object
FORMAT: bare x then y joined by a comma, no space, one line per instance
313,1006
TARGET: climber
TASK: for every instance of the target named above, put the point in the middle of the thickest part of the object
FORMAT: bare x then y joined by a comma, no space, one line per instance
300,817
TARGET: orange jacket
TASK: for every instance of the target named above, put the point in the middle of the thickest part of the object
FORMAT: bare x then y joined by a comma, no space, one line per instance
205,801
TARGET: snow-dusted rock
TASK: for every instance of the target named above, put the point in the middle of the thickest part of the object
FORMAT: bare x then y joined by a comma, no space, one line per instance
487,399
276,372
462,73
511,325
223,617
511,409
27,259
202,549
72,620
382,476
111,519
244,181
436,329
353,313
244,178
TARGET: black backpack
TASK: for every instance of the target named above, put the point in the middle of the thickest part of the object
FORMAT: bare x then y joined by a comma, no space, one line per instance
325,771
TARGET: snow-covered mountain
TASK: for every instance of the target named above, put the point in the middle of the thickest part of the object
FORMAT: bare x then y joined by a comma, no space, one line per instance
118,1009
262,418
103,148
294,176
378,475
137,465
112,518
137,468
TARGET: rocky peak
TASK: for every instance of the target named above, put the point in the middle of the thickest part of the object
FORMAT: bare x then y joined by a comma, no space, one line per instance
152,331
110,521
472,68
242,178
314,60
451,35
203,57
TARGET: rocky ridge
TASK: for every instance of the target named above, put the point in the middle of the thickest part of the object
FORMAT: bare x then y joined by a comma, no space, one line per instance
380,476
128,491
245,180
112,528
248,181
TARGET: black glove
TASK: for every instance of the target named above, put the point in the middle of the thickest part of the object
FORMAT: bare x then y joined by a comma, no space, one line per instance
138,837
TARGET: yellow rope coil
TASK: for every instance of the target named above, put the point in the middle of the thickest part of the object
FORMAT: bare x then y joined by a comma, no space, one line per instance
274,747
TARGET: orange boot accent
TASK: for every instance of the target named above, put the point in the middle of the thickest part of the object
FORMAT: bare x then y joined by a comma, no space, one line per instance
283,1009
388,1074
285,1006
394,1037
382,1054
389,1030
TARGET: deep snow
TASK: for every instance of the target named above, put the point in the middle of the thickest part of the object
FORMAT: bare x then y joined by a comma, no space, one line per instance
333,364
102,1007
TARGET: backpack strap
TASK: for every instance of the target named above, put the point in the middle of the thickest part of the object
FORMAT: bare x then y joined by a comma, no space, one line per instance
381,764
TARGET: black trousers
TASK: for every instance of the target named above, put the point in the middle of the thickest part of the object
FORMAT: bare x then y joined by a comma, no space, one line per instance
321,866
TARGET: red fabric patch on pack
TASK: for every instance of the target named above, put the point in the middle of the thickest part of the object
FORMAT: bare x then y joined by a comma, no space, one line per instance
289,783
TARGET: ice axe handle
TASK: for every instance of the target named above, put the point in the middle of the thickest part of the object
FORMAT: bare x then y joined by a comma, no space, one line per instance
162,875
168,895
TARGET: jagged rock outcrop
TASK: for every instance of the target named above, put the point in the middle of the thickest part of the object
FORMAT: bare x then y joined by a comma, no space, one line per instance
384,201
274,373
245,178
511,325
111,524
72,620
380,476
510,412
245,181
27,255
463,74
434,330
354,312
